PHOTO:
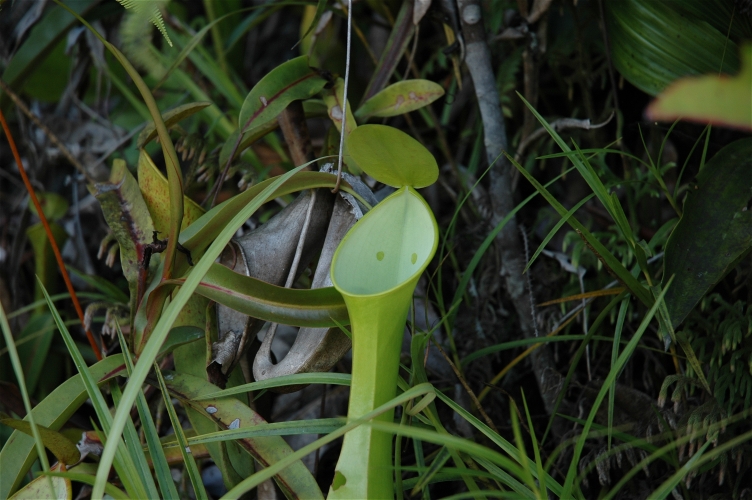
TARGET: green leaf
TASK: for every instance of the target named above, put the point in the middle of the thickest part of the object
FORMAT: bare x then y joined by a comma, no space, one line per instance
320,8
54,205
715,230
716,99
124,463
185,450
45,264
613,374
156,192
287,82
392,157
165,322
399,98
180,335
319,307
654,43
111,490
230,413
170,118
156,453
46,487
18,454
128,218
208,226
293,379
43,37
253,481
60,446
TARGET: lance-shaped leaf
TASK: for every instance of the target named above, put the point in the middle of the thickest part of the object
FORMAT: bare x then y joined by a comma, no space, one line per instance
170,118
334,99
229,413
128,217
40,487
64,450
401,97
199,234
322,307
715,230
19,453
717,99
156,193
287,82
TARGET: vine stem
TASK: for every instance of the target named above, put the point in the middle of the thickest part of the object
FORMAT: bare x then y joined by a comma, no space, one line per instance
344,97
53,243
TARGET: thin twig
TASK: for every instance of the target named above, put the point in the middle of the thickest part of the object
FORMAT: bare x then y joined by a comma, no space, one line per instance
344,97
53,138
470,392
53,243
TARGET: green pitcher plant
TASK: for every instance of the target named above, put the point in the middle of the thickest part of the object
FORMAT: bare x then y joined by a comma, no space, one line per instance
376,268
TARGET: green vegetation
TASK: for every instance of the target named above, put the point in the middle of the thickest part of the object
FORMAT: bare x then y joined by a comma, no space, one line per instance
530,222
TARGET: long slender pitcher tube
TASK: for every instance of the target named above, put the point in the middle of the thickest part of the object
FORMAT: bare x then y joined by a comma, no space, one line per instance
376,269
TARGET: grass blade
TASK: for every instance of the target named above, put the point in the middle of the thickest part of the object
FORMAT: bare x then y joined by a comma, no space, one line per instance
185,450
161,468
123,464
170,314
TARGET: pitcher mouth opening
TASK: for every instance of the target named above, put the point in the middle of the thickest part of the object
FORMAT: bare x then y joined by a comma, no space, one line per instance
390,246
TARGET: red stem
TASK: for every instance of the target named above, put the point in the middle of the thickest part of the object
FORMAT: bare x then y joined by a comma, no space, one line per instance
53,243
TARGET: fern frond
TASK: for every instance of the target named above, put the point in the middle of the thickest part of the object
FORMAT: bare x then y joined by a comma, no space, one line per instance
150,8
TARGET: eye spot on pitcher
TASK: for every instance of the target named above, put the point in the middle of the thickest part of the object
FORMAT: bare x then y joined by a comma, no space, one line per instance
379,255
414,258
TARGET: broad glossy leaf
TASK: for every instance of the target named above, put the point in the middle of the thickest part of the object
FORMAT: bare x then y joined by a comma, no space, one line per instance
40,487
170,118
717,99
18,454
287,82
229,413
391,156
715,230
322,307
156,193
401,97
64,450
654,43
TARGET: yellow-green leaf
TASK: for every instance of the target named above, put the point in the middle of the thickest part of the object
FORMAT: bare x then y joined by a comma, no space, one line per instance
392,157
64,450
717,99
401,97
